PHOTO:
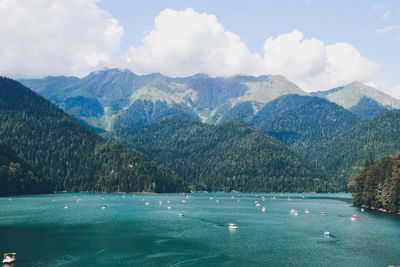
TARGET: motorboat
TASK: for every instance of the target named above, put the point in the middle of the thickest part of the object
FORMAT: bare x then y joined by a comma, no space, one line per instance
354,218
66,207
306,211
9,258
180,214
362,210
293,211
233,226
104,207
327,234
322,212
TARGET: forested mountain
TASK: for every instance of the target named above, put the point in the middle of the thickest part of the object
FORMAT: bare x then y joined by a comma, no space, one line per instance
377,185
360,98
17,177
229,156
113,98
379,135
68,154
302,122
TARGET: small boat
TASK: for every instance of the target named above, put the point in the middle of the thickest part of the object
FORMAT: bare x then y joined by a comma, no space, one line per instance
354,218
322,212
211,198
296,213
327,234
362,210
54,200
160,203
169,201
293,211
263,209
306,211
233,226
258,205
147,203
9,258
217,201
169,207
180,214
66,207
104,207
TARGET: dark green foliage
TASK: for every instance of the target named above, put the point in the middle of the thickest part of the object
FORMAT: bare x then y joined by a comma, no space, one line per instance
367,108
379,135
242,111
230,156
68,154
144,111
301,122
378,184
17,177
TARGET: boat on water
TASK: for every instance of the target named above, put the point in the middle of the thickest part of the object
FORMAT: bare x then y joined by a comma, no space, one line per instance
233,226
306,211
180,214
362,209
66,207
322,212
327,234
263,209
9,258
293,211
354,217
104,207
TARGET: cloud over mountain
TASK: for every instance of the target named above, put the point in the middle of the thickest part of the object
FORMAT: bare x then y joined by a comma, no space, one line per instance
187,42
74,37
55,37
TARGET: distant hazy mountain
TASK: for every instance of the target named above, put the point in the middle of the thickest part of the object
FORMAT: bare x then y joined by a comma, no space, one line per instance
114,98
69,155
301,122
229,156
360,98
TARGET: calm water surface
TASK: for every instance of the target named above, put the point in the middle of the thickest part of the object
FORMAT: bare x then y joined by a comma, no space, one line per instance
130,233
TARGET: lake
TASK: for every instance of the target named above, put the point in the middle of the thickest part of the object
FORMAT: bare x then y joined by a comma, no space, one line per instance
68,229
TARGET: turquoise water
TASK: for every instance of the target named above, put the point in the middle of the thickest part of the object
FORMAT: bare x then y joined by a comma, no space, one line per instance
130,233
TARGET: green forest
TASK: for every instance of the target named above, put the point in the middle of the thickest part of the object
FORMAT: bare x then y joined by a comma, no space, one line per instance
70,156
377,184
229,156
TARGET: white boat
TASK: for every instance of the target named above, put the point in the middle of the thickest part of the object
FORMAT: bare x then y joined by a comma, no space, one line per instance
104,207
180,214
327,234
66,207
306,211
263,209
258,205
9,258
233,226
147,203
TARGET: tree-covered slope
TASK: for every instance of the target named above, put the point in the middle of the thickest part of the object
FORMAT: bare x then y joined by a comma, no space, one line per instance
230,156
17,177
377,184
302,122
379,135
70,155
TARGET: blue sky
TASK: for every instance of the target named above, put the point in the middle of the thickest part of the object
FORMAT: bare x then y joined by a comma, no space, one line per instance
317,44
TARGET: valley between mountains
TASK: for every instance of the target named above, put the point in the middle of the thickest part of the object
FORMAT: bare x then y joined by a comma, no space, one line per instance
114,131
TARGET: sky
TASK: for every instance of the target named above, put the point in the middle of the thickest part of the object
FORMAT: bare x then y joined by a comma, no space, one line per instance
316,44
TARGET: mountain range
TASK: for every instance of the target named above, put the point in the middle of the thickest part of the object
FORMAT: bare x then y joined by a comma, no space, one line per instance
67,155
113,98
202,129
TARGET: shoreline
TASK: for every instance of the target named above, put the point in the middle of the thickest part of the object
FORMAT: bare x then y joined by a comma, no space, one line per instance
380,209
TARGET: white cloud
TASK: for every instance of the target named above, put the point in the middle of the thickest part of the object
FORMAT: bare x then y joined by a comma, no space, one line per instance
389,88
388,28
55,37
186,42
